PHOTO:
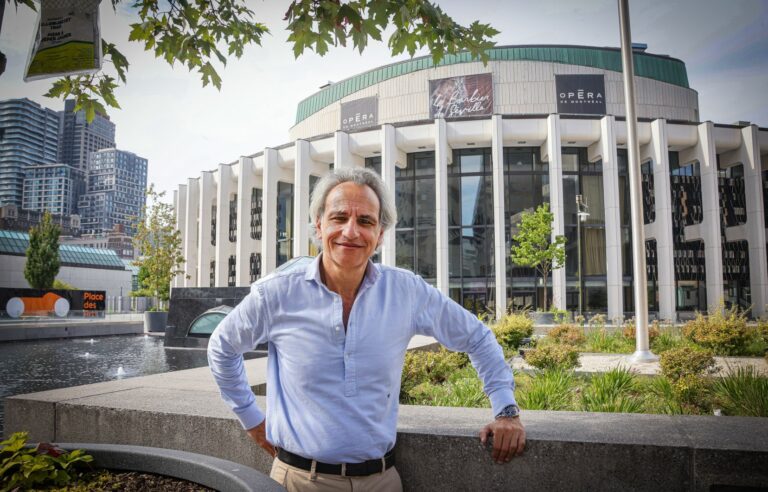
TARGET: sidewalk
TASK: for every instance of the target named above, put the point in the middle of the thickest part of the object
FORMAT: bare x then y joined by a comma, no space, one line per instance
598,362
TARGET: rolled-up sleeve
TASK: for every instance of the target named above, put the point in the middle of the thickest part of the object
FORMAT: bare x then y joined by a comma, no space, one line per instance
240,331
459,330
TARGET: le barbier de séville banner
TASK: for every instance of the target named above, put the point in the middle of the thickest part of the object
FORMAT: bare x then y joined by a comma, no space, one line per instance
360,113
457,97
580,94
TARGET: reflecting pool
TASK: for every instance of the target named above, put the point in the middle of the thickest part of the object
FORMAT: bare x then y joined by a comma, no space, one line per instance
27,367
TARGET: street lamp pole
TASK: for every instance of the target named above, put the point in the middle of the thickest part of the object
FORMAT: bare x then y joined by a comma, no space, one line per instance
642,349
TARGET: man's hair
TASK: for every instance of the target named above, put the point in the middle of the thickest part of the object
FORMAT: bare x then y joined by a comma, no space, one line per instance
359,176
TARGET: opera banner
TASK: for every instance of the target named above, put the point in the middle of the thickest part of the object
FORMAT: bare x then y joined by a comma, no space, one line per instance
457,97
580,94
34,302
360,114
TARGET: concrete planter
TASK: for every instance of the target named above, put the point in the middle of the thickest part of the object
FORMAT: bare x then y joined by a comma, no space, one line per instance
543,318
208,471
155,321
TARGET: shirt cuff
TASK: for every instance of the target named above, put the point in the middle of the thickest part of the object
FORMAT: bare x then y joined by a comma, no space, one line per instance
250,416
500,399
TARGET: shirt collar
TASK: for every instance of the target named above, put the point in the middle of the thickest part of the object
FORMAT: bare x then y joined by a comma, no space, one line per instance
372,272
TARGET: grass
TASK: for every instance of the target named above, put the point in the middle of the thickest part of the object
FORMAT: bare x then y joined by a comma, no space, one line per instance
602,340
549,390
612,391
742,392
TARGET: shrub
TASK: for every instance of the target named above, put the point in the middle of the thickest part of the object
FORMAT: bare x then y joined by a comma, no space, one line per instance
669,338
553,357
743,392
630,333
725,332
567,334
686,361
548,390
429,367
665,399
685,368
23,468
511,329
612,391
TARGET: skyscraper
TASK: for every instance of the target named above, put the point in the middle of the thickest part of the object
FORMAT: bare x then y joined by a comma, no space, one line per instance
28,135
116,184
79,138
53,187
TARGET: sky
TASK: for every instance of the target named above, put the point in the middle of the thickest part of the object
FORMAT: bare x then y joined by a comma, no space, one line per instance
183,128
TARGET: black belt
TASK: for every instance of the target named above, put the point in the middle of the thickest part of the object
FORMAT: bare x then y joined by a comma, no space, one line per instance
346,470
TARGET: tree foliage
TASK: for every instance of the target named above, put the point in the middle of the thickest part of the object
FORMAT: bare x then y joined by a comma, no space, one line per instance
533,245
42,264
200,33
159,245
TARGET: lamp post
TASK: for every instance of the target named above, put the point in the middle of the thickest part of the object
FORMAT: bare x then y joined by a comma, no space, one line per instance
582,214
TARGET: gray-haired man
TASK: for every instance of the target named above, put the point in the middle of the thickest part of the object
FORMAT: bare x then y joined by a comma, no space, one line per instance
338,332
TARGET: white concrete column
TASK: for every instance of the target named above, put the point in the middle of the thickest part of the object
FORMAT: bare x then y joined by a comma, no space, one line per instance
391,156
245,244
180,207
442,151
343,156
499,244
551,153
657,151
301,199
190,243
709,228
206,249
605,149
269,212
753,231
223,246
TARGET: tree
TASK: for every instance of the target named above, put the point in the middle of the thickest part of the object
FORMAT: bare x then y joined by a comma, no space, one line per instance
194,33
43,254
533,246
159,245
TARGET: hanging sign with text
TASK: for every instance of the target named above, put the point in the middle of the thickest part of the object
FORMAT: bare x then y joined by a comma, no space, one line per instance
457,97
580,94
360,114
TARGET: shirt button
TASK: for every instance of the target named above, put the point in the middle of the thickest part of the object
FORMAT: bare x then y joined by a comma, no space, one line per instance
338,329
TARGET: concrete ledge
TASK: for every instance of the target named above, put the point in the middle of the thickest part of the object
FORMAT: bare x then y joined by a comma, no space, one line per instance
438,448
210,472
11,332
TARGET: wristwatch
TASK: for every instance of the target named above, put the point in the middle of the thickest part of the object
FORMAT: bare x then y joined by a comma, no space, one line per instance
510,411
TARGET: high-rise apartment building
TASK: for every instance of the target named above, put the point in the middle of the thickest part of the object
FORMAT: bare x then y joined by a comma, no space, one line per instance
79,138
53,187
116,185
29,134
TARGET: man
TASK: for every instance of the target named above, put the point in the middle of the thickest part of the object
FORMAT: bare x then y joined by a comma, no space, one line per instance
337,332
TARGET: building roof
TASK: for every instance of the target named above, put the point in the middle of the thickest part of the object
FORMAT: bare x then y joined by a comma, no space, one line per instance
658,67
16,243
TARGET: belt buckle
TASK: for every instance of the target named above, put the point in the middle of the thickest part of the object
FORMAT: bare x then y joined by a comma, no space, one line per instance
343,469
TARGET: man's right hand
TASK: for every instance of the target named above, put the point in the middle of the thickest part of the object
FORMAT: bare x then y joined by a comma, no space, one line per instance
259,434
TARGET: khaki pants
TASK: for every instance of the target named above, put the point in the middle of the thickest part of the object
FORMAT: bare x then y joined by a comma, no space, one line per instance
298,480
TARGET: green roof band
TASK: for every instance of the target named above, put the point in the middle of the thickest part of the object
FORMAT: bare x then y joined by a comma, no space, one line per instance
656,67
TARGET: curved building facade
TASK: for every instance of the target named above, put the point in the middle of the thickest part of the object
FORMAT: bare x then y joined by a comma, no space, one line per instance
466,148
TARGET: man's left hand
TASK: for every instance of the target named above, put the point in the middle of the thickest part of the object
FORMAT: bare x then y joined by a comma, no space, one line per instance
508,438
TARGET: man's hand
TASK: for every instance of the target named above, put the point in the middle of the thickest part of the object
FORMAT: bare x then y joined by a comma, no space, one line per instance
508,438
259,434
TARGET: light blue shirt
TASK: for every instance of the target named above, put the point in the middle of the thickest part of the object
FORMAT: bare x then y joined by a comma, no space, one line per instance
333,396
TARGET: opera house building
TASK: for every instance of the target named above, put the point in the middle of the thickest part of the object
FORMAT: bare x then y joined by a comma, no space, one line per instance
466,148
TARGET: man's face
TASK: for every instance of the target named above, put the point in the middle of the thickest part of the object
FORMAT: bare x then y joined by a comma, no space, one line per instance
349,228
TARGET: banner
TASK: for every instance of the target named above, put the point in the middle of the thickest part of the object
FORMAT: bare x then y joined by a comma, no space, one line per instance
67,40
35,302
580,94
457,97
360,113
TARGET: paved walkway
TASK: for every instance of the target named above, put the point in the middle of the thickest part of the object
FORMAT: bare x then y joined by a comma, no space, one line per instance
598,362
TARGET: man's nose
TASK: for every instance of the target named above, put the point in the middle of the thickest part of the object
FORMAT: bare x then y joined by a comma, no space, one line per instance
350,229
